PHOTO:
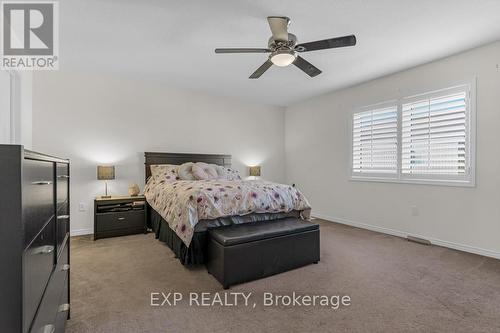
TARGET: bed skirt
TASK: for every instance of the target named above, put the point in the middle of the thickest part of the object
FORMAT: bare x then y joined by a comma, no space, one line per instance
196,252
192,255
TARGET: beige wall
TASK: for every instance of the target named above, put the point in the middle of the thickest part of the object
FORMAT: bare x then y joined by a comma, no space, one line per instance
94,119
317,148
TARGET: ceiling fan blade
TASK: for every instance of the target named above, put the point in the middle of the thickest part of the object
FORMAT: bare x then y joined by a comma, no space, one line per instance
243,50
279,27
306,66
264,67
327,44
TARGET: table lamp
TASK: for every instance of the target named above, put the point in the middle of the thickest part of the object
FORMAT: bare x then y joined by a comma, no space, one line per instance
105,173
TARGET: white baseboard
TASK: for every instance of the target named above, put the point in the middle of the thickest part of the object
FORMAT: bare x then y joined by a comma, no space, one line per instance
81,232
398,233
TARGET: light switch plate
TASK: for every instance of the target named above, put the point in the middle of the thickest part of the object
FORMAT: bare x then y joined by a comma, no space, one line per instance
82,207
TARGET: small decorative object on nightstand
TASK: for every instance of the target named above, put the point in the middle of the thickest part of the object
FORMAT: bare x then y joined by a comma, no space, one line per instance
119,216
133,190
105,173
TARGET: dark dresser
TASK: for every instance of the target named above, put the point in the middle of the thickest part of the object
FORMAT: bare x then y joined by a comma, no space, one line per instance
34,241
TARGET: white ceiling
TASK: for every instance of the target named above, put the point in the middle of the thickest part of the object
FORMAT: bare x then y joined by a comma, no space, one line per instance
173,41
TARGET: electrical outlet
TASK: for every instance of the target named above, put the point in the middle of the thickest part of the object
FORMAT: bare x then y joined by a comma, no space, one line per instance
82,207
414,211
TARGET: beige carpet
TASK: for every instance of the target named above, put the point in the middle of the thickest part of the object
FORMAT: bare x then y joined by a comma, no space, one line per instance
394,285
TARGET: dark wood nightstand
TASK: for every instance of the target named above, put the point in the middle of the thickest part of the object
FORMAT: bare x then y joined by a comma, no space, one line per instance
119,216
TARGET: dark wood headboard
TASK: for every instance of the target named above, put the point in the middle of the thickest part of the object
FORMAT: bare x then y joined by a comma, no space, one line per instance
151,158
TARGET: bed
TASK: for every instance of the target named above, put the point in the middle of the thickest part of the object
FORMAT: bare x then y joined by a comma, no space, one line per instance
189,244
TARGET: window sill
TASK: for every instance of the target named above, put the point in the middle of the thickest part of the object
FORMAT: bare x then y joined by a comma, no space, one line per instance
437,182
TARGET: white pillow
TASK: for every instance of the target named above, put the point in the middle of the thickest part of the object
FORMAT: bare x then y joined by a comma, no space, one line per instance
203,171
221,171
185,171
166,172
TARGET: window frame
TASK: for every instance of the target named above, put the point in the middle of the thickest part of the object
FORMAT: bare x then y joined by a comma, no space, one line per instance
468,180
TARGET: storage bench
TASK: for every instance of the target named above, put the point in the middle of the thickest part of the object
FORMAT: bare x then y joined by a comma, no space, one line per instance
245,252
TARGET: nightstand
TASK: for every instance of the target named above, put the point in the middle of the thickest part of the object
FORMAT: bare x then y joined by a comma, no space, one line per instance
119,216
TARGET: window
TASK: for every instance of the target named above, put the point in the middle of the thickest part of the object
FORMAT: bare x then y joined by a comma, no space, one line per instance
421,139
434,136
375,141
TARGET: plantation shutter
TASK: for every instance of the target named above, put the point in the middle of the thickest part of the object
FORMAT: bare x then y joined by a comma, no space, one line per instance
375,141
434,135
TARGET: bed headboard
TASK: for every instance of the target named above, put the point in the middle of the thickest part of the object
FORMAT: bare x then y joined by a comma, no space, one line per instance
179,158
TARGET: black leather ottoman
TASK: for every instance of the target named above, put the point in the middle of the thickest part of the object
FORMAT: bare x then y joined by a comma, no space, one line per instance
250,251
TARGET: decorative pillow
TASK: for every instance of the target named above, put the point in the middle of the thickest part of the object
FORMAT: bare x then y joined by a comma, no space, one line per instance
203,171
221,171
227,173
166,172
233,174
185,171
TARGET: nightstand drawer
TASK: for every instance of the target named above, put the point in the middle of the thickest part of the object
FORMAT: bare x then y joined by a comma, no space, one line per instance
120,220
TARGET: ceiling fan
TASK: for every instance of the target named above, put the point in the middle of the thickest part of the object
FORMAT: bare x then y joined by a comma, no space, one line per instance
283,48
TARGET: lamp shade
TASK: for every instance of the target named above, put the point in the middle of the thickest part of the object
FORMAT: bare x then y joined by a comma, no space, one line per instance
105,172
255,171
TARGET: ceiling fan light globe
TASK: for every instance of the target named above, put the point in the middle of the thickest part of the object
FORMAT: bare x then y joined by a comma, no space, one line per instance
283,59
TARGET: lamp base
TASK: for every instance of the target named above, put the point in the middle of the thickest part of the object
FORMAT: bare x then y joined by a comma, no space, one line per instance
105,196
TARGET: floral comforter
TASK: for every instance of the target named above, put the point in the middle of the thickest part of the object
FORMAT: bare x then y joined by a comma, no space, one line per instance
183,203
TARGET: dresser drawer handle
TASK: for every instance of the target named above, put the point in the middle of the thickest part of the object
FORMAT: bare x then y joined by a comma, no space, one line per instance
42,182
65,267
121,219
46,249
63,217
47,329
63,307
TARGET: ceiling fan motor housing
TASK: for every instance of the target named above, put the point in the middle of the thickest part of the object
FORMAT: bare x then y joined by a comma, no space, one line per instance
283,49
